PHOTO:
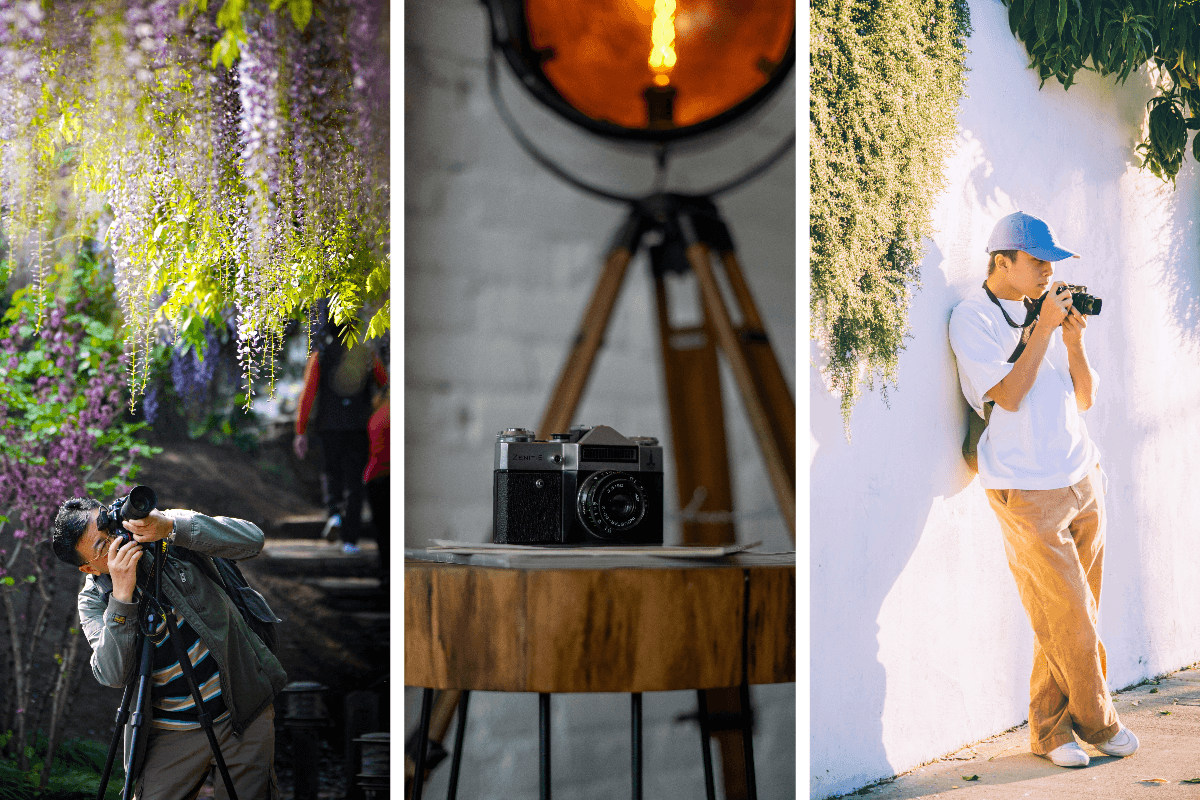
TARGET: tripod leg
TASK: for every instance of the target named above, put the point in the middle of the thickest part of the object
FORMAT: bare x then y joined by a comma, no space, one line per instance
185,664
140,715
697,414
578,366
118,735
775,453
764,366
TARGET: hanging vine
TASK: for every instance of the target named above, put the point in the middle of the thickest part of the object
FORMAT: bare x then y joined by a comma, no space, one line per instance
1117,38
231,158
886,79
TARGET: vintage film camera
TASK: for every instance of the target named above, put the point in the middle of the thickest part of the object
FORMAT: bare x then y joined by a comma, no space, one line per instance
1081,301
138,504
590,486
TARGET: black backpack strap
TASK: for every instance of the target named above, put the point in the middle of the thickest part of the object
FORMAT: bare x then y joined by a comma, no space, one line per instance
226,574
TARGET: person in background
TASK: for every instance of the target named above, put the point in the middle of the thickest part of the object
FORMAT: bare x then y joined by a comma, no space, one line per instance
336,405
377,476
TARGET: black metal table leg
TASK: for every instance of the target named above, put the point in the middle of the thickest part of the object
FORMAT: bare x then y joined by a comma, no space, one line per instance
710,789
544,742
422,743
456,760
636,733
748,743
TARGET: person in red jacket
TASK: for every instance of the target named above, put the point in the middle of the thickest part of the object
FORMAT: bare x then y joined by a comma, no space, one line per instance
336,404
377,476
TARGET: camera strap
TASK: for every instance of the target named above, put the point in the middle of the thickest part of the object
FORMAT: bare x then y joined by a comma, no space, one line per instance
1032,307
976,423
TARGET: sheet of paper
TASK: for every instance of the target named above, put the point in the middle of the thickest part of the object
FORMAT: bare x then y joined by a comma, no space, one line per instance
681,551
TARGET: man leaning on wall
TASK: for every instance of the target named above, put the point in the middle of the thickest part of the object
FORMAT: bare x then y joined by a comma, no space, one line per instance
1024,368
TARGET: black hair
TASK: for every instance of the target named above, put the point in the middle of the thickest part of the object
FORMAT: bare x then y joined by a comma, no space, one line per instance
69,525
1011,255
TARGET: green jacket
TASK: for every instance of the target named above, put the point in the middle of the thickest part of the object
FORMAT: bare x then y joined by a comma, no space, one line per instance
251,675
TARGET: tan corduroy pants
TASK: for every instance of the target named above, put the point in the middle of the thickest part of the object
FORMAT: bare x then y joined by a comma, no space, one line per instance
1054,539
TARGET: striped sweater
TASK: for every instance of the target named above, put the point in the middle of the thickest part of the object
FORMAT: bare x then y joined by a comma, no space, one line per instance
174,707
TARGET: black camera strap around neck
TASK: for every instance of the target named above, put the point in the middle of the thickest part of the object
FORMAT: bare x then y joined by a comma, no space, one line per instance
1032,307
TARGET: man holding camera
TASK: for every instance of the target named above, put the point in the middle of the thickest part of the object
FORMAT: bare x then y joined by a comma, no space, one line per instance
237,674
1019,343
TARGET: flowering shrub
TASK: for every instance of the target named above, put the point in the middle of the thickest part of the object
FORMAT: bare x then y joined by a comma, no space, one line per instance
62,435
231,158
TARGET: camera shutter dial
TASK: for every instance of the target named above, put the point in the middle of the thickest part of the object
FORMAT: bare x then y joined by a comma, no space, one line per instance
609,503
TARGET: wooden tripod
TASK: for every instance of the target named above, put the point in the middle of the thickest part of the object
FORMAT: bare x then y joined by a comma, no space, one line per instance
690,230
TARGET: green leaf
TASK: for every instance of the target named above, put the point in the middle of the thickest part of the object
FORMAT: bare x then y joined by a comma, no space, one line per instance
970,777
8,580
301,11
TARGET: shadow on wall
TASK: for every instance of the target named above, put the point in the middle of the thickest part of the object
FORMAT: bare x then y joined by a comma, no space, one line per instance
885,484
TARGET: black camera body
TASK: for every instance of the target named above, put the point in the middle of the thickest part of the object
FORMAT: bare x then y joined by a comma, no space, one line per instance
591,486
138,504
1081,301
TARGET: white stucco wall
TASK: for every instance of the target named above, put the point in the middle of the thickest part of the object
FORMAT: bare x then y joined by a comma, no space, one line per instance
919,644
499,260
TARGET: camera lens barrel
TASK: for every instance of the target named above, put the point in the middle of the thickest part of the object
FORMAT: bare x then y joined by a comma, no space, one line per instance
140,502
609,503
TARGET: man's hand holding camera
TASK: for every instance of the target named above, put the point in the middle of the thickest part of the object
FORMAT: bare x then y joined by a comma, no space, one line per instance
1058,309
124,554
151,528
122,567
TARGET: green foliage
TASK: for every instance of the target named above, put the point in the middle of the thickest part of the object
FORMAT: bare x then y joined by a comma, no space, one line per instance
232,162
1117,38
886,79
76,771
54,384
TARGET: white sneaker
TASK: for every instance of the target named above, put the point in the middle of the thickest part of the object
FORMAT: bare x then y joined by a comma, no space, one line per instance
333,526
1121,745
1068,755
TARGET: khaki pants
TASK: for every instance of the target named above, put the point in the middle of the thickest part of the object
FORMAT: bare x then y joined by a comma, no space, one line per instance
1054,539
177,762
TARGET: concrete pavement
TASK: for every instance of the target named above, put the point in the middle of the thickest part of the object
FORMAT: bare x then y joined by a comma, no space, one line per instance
1164,715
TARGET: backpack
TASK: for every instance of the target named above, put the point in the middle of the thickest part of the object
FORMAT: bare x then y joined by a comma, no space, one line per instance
249,602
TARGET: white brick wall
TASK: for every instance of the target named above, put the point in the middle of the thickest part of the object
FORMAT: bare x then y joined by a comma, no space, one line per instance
500,258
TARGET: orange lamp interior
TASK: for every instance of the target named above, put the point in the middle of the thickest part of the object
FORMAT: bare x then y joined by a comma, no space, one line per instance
603,55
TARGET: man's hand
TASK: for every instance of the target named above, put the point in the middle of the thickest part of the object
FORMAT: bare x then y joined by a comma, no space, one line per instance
1073,327
151,528
122,568
1055,307
300,445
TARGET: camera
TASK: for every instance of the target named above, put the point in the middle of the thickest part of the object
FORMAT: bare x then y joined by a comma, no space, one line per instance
1081,301
138,504
588,486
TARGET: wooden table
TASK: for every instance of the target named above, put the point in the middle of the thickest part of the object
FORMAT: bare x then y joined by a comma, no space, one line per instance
565,623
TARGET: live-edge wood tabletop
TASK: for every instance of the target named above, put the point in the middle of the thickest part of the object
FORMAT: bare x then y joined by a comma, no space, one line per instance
562,623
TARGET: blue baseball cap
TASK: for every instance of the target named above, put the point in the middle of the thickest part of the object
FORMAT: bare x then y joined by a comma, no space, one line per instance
1021,231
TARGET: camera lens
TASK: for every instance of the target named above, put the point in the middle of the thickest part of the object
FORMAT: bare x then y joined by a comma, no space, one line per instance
610,503
140,503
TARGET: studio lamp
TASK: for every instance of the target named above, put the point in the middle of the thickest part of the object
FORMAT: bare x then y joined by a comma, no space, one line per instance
647,70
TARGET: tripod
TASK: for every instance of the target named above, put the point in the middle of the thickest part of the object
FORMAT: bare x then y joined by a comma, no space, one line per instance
152,611
689,229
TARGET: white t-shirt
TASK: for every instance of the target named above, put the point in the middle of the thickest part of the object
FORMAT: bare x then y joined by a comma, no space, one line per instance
1044,444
